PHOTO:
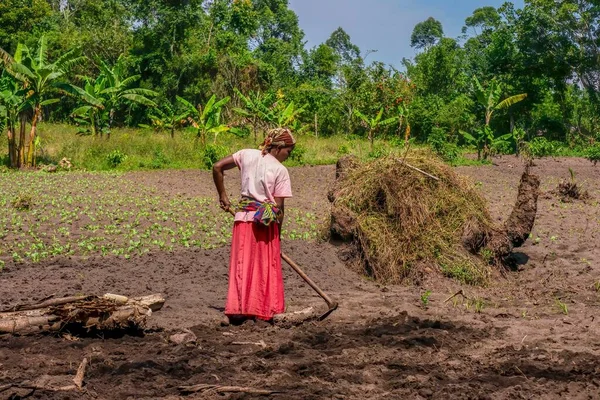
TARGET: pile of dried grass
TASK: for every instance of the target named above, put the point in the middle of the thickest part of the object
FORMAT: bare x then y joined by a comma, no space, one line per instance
401,219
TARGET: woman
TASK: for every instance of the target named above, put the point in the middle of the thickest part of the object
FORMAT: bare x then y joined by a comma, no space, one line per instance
255,278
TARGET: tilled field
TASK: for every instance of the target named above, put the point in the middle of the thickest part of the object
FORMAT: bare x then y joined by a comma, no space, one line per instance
532,334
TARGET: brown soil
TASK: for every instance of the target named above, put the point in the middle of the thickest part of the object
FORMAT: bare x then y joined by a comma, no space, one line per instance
534,337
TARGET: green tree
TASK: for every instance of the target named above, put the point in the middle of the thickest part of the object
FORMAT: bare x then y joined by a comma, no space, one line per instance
375,123
340,42
19,21
427,33
41,78
490,99
167,116
118,89
12,111
207,119
257,110
105,94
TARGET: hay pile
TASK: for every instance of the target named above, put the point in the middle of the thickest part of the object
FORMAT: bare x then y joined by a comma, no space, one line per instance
403,221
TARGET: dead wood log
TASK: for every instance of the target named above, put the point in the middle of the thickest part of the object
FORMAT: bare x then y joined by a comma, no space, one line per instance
104,313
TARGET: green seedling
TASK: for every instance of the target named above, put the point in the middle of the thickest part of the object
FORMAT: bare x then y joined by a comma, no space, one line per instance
479,305
562,307
425,298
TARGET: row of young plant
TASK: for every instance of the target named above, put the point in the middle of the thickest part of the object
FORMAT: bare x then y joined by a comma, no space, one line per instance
81,214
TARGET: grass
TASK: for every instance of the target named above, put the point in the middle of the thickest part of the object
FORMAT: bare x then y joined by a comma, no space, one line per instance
143,149
562,307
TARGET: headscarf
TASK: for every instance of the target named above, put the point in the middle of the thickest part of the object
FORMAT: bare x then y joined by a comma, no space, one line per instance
277,138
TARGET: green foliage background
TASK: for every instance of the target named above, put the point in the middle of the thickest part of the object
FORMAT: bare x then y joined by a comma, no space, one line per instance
194,49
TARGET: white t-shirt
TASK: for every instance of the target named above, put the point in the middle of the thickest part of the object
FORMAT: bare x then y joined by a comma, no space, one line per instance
263,178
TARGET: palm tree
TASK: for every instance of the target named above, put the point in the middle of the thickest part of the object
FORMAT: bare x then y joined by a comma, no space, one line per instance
373,124
40,78
207,119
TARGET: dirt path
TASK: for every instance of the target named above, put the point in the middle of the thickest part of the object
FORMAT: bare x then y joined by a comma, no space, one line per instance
536,335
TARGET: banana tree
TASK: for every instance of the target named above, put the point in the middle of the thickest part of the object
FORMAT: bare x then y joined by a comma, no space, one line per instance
207,119
403,113
167,117
287,115
257,110
92,114
40,78
118,89
485,140
12,111
373,124
102,96
490,100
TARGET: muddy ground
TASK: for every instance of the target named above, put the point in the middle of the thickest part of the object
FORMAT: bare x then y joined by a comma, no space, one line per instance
535,335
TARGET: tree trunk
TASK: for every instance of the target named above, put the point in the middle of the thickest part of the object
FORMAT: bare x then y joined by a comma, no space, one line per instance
111,115
30,160
108,312
13,156
21,145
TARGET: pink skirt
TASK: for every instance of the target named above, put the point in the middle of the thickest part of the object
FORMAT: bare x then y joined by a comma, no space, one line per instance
255,277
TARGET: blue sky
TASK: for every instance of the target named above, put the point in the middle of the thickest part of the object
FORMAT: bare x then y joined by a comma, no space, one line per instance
383,25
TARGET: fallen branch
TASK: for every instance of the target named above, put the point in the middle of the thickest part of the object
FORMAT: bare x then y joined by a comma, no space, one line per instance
214,389
417,169
49,303
261,344
460,292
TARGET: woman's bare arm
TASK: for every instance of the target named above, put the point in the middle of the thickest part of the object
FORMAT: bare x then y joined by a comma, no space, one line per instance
280,201
218,177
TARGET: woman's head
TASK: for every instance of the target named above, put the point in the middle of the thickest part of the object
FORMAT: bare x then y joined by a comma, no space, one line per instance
279,142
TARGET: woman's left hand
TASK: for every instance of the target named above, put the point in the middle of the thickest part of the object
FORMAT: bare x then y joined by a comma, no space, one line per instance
224,203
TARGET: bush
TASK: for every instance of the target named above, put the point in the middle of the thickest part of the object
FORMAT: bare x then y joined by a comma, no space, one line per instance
298,154
542,147
212,154
159,160
115,157
448,151
593,153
